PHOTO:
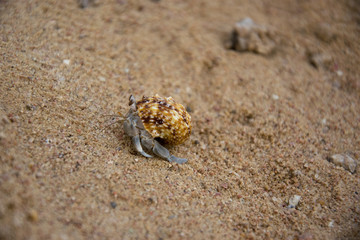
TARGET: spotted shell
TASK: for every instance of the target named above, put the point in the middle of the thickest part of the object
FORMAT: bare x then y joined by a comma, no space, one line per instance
164,118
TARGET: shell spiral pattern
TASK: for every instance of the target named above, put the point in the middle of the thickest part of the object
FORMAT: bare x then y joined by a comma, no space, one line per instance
164,118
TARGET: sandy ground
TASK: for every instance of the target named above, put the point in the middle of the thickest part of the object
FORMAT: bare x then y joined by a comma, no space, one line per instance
264,127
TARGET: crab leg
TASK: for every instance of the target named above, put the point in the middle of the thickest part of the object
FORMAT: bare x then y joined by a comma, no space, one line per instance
164,153
136,141
158,150
132,131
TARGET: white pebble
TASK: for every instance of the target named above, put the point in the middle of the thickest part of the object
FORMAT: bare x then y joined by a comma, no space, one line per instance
275,97
345,161
294,201
66,61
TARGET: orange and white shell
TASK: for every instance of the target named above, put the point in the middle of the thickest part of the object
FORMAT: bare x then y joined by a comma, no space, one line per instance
164,118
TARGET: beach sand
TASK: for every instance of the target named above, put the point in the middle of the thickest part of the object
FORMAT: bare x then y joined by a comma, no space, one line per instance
264,125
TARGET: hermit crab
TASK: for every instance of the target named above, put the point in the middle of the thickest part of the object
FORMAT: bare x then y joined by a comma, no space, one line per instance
152,120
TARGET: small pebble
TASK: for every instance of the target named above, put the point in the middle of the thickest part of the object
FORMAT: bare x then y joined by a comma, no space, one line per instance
2,135
203,146
113,204
324,32
345,161
251,37
30,107
86,3
339,73
294,201
275,97
33,215
319,60
66,61
38,175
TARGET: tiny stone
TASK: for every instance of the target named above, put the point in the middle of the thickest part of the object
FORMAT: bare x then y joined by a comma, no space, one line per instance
203,146
84,3
345,161
30,107
113,204
275,97
251,37
98,176
66,61
38,175
33,215
2,135
320,60
324,32
294,201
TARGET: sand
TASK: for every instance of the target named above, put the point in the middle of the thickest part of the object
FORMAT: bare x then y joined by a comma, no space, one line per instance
264,126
